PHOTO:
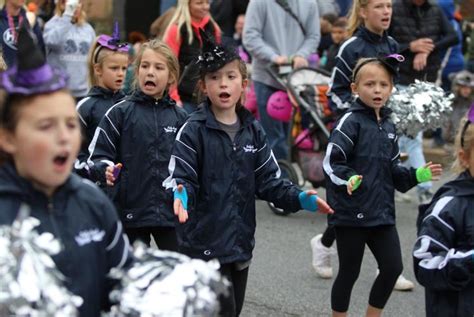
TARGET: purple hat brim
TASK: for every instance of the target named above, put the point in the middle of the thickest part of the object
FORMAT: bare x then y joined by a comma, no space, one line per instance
43,79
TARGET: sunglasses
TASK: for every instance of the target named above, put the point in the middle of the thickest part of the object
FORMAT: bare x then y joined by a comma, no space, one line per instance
470,119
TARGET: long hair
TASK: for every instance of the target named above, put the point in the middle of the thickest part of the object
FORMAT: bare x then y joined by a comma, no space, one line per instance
468,144
354,19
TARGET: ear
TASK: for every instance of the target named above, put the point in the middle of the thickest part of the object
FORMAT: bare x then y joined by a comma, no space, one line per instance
7,141
363,13
202,85
98,70
354,88
245,83
463,158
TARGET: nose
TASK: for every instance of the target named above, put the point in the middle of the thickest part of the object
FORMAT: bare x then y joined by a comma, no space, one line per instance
65,133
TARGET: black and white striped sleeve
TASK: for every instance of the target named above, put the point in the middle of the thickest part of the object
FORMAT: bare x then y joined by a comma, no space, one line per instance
183,165
340,147
439,261
103,148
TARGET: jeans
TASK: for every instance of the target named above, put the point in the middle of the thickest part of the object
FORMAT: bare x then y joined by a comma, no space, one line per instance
277,131
416,158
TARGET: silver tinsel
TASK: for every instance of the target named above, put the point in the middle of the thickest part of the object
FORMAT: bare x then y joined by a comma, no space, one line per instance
30,283
421,106
163,283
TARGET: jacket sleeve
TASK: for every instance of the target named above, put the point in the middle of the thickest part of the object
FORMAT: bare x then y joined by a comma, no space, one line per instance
54,31
340,84
404,178
340,148
268,183
252,34
448,35
80,166
104,147
439,265
183,166
313,33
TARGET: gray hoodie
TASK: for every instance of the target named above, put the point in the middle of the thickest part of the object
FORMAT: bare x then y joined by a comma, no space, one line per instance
270,31
67,48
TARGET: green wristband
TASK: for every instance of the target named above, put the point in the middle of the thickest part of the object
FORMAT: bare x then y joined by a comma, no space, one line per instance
423,174
357,182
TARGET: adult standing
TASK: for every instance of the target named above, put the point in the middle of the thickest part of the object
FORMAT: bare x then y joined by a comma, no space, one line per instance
12,16
273,35
68,38
423,31
225,13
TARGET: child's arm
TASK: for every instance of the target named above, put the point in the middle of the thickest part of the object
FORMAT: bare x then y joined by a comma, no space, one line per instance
340,91
438,263
104,147
183,169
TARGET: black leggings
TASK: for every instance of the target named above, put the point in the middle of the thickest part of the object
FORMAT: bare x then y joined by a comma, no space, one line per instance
232,305
384,243
328,237
165,237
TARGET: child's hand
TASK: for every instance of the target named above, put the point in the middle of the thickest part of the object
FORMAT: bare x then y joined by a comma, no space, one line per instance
311,202
429,172
111,173
180,205
353,183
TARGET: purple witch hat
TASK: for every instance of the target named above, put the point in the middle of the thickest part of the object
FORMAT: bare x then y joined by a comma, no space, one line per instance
31,75
113,42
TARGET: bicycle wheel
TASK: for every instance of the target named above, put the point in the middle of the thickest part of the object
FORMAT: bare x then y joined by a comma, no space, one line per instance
288,172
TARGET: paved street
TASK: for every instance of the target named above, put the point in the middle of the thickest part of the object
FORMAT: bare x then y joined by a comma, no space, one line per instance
281,279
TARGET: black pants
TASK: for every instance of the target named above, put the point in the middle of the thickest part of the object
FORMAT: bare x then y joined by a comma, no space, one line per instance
232,305
384,243
328,237
165,237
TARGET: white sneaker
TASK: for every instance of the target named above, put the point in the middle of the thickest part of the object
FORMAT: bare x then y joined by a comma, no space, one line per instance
403,284
321,257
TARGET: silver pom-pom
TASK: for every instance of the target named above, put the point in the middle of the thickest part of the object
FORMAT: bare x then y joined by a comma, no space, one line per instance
421,106
31,284
163,283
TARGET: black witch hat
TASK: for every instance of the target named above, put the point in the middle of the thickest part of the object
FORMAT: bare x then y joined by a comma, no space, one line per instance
214,56
31,75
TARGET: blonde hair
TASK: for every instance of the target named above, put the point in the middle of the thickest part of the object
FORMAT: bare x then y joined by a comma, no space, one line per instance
159,47
364,61
97,55
468,144
61,6
181,17
354,19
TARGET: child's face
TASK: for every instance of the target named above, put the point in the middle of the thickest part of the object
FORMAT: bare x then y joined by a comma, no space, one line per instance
465,91
373,85
377,15
153,74
111,74
46,140
225,86
198,9
338,34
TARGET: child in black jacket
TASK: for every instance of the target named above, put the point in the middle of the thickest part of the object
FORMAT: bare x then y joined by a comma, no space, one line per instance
39,140
363,169
221,160
444,251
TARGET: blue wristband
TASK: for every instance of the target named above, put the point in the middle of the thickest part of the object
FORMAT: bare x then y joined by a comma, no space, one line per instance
183,196
308,202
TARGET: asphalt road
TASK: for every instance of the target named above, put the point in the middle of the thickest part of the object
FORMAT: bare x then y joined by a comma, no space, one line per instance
283,283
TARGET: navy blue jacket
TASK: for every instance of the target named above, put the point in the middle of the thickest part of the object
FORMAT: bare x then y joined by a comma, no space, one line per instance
222,178
6,36
83,219
91,109
362,44
444,251
139,132
359,145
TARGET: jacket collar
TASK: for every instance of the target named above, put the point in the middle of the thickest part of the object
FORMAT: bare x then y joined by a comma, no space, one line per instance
12,183
463,185
97,91
139,96
369,36
205,114
360,106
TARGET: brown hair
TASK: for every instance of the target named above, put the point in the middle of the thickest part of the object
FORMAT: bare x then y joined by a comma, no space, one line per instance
243,72
468,144
161,48
354,19
97,55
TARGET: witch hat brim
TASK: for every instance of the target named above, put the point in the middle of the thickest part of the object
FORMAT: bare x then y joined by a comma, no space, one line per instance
31,75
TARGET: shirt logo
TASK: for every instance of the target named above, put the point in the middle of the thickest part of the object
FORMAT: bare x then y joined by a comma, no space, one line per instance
87,236
8,38
170,129
391,136
249,148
